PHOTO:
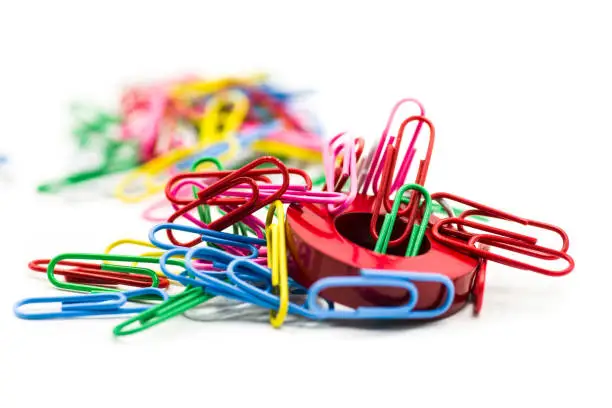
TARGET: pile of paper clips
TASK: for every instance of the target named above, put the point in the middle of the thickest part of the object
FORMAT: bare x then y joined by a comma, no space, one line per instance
162,128
367,245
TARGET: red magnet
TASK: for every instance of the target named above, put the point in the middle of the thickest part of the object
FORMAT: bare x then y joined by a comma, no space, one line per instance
323,245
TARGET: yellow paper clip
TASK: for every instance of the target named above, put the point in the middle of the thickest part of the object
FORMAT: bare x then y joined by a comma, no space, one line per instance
277,261
280,149
216,124
193,89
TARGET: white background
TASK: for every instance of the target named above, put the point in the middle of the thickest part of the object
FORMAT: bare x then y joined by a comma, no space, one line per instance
520,96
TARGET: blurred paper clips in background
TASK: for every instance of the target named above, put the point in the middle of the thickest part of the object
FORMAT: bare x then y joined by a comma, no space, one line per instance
240,224
160,128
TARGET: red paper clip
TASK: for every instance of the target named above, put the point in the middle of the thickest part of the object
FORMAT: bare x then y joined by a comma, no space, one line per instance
257,175
385,187
247,205
91,273
480,209
478,287
465,241
519,247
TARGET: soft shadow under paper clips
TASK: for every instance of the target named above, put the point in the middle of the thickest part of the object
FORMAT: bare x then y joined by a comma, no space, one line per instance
220,309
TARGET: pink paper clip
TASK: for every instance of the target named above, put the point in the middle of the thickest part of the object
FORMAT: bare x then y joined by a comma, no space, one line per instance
375,162
295,194
260,176
143,113
331,151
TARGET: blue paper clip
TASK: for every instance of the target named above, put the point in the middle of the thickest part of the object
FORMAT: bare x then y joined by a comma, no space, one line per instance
212,236
240,269
97,304
381,278
211,282
243,280
142,292
128,295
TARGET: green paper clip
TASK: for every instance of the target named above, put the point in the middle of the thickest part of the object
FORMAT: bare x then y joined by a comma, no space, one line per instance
418,231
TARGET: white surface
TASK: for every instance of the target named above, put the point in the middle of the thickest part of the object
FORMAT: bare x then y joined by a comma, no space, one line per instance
520,97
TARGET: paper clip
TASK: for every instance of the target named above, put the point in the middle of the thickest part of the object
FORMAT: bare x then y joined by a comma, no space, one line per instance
385,189
204,210
499,238
99,304
291,142
102,302
276,107
240,271
217,124
200,88
174,306
236,178
244,139
295,194
95,274
161,164
348,169
216,282
128,270
118,156
478,286
374,162
382,278
277,261
520,247
92,124
143,114
213,282
249,223
260,175
417,234
204,235
150,117
130,241
442,226
340,174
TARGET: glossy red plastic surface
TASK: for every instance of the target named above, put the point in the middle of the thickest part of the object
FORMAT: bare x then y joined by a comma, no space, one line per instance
323,245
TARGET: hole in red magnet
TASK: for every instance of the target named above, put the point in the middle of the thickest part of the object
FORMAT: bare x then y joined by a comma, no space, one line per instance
355,227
